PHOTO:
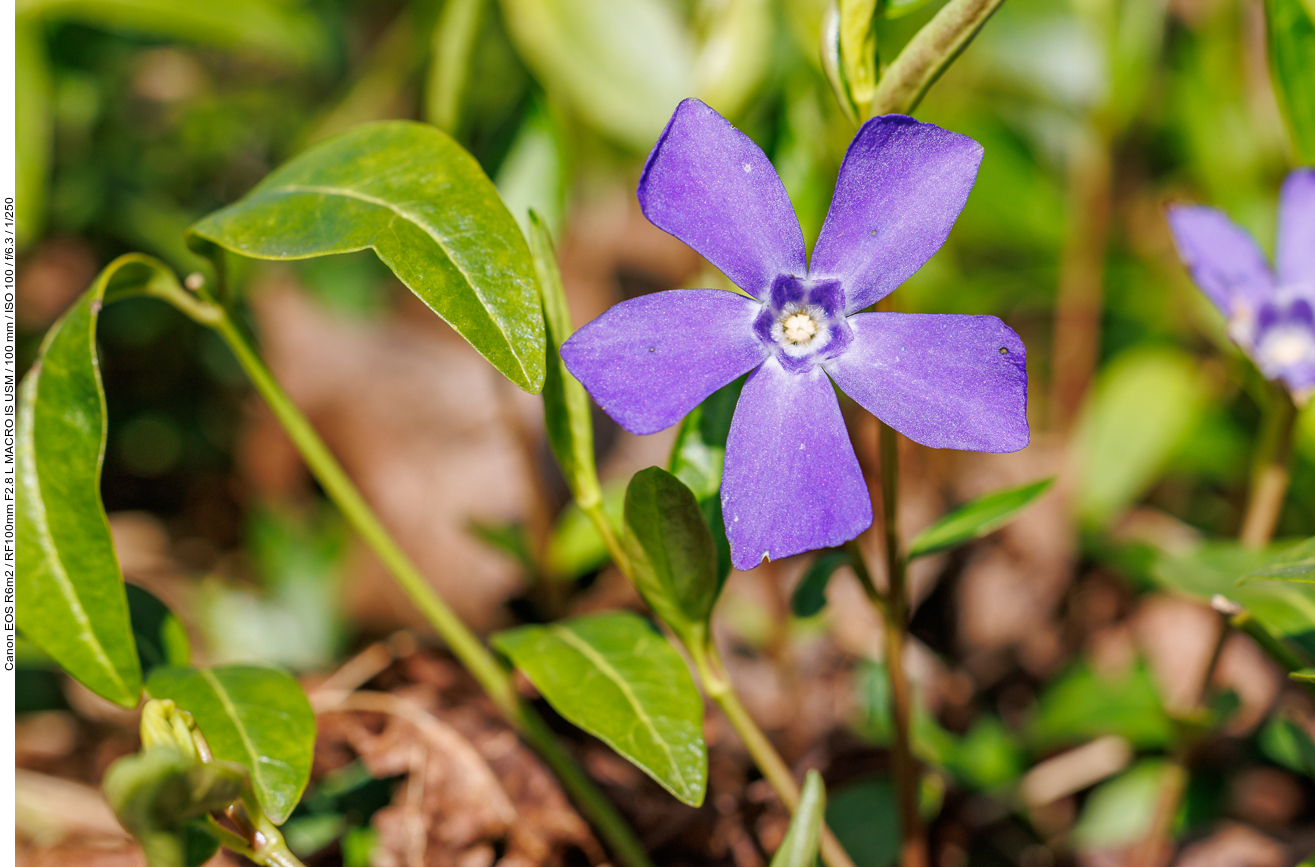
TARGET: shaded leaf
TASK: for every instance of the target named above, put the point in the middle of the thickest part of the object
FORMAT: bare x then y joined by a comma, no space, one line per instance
256,717
672,556
160,636
1291,25
697,458
623,65
809,595
273,29
1286,741
73,605
799,848
423,204
510,539
32,107
1083,704
976,519
619,679
864,818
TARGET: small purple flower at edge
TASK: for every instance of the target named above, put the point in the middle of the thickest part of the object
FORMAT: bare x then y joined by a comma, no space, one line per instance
1271,316
791,482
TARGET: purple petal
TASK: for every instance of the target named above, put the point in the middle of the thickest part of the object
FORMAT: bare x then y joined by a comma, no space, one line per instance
708,184
901,188
650,360
791,481
1224,260
1296,229
949,382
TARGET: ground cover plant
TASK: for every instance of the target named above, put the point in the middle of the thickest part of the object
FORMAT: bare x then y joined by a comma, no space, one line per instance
466,432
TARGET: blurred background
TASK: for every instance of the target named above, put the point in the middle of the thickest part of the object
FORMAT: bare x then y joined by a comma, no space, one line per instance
1053,660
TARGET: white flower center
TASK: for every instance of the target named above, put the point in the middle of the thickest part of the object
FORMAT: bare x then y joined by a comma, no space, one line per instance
799,328
1284,347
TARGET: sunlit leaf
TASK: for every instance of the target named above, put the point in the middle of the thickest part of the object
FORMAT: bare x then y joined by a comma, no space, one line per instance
1120,811
858,49
1143,405
672,556
799,848
72,602
617,678
1293,564
1306,675
273,29
32,98
809,595
574,545
976,519
1292,66
415,197
623,65
256,717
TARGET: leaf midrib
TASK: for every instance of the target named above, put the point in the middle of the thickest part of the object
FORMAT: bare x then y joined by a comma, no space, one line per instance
414,219
589,653
231,709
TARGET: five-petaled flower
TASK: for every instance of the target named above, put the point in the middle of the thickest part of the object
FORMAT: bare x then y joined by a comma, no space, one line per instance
791,482
1271,316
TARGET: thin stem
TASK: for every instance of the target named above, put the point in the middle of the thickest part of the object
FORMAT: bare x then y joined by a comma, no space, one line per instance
477,659
903,84
717,684
913,845
1271,469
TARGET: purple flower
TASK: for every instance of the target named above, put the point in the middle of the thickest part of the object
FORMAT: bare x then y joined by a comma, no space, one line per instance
791,482
1272,317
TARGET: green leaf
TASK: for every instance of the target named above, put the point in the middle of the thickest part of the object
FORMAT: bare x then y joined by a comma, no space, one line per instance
672,557
799,848
892,9
160,636
1120,811
1306,675
156,795
415,197
534,174
833,63
622,64
277,30
1294,564
865,820
73,605
988,757
566,406
256,717
809,595
32,107
1144,404
1292,65
574,546
858,49
617,678
1083,704
976,519
510,538
1286,740
697,458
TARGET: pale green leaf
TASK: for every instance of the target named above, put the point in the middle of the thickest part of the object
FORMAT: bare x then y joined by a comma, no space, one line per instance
1292,564
32,94
1292,66
256,717
799,848
976,519
414,196
617,678
72,602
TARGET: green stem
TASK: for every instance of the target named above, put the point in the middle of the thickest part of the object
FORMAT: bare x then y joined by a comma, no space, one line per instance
913,845
717,684
472,653
932,49
1271,471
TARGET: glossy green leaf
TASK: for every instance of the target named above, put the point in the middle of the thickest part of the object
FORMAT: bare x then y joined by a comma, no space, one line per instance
809,595
976,519
160,636
273,29
256,717
1142,407
1291,25
617,678
672,556
72,602
799,848
623,65
156,795
1286,609
1292,564
415,197
566,406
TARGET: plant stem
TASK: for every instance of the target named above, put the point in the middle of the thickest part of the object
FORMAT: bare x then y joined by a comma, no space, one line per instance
1271,468
717,684
472,653
932,49
913,845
